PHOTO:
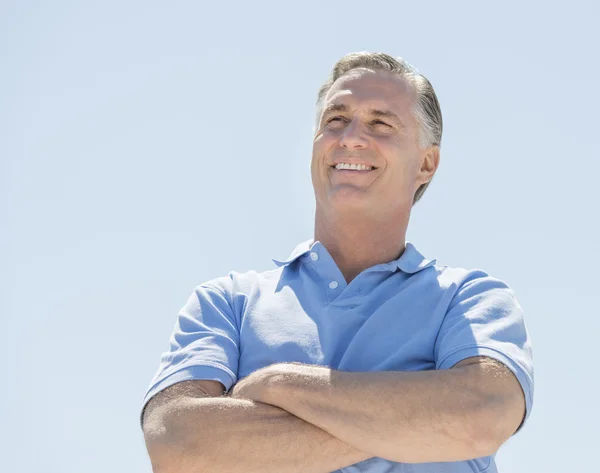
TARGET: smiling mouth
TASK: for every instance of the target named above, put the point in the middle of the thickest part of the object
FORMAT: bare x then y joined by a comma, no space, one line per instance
357,171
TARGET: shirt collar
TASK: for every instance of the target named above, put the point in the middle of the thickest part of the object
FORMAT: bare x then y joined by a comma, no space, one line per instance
411,261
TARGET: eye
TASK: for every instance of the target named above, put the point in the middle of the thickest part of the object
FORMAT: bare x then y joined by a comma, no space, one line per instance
336,123
380,122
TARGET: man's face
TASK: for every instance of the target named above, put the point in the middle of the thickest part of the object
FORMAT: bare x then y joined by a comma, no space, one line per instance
367,118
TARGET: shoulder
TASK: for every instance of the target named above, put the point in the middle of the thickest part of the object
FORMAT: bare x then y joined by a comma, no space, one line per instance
249,283
461,280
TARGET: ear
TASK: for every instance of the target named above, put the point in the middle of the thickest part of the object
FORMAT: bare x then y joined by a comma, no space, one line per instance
430,160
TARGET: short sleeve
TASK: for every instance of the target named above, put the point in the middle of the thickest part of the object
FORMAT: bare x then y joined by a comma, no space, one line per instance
485,319
204,344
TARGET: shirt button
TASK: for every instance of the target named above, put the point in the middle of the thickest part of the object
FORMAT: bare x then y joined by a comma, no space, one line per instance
314,256
333,284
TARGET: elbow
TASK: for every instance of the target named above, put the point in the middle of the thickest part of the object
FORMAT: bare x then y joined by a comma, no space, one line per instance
167,456
158,448
166,444
166,459
483,442
159,459
492,426
498,415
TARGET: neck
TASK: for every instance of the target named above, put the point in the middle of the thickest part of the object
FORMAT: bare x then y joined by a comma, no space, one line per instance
357,243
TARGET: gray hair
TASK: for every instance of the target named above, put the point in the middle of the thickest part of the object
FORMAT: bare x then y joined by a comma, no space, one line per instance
426,109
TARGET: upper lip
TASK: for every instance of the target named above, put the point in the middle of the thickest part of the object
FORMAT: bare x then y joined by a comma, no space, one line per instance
351,161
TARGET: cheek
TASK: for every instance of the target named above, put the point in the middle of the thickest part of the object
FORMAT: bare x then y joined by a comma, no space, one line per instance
314,162
322,147
322,142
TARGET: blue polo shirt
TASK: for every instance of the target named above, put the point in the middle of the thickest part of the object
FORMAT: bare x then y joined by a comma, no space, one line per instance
406,315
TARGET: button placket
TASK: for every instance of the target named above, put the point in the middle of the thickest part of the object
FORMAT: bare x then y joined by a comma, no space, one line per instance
328,271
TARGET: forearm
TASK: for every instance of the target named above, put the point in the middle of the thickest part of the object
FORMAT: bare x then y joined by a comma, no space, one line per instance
409,417
231,435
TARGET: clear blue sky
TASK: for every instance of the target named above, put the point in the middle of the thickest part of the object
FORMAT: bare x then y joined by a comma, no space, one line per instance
146,147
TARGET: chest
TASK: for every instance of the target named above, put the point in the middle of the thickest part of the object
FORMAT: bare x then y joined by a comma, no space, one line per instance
367,334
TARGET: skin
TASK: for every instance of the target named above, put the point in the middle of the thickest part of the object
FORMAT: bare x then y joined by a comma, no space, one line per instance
302,418
361,218
466,412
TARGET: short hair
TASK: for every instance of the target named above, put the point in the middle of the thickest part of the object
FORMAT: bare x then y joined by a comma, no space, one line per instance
427,111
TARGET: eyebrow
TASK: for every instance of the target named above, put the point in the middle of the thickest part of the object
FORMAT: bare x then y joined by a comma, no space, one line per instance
335,107
339,107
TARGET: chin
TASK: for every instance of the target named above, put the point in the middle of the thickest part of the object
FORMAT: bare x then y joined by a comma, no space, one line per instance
354,202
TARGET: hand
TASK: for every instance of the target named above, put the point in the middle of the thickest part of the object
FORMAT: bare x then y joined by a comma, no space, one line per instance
255,386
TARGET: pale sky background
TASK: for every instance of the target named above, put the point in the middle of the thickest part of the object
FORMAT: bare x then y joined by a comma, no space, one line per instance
146,147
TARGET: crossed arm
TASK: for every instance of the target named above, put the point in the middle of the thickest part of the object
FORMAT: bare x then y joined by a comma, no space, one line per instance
293,417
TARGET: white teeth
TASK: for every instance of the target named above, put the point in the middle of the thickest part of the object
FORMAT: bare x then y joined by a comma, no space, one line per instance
356,167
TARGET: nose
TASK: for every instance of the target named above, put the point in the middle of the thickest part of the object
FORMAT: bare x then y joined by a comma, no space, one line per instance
352,136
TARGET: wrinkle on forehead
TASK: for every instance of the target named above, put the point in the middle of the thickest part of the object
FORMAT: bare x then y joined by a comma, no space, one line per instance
374,79
380,89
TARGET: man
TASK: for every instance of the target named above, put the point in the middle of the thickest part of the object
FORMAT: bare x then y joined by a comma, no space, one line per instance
356,354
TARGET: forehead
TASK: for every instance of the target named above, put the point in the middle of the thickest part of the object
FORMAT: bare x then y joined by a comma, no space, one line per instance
375,89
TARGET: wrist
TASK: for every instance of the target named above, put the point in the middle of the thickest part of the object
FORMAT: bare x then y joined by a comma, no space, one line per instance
275,383
290,382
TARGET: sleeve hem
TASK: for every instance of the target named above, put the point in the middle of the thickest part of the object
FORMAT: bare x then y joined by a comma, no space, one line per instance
205,371
524,378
